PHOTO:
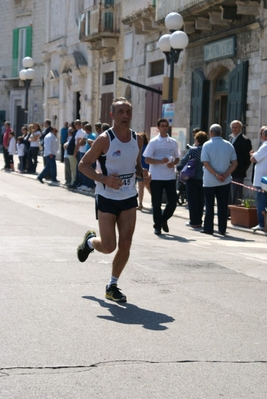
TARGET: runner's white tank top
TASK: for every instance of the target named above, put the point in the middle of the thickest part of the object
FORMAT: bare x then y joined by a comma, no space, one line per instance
120,158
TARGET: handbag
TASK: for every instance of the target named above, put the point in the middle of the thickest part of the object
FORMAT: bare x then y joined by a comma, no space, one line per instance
188,171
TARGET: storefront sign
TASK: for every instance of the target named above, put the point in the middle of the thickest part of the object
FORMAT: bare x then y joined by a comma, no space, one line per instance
223,48
168,112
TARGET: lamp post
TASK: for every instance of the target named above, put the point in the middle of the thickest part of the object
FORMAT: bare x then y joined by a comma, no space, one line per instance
172,45
27,75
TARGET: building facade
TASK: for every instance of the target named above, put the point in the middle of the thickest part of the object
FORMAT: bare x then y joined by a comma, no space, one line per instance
87,52
226,63
23,29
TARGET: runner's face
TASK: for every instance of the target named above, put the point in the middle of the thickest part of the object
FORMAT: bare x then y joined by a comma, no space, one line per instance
122,115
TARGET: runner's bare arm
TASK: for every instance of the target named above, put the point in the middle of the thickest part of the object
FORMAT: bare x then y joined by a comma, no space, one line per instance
100,147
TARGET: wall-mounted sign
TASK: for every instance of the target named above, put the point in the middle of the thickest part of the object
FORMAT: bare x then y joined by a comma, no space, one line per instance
223,48
168,112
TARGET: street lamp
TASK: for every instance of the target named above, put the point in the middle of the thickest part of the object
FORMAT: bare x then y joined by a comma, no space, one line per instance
27,75
172,45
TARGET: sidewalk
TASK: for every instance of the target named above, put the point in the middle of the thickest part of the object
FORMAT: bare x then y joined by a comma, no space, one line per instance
180,212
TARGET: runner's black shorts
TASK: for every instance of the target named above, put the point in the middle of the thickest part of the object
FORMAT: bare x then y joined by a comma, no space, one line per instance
115,207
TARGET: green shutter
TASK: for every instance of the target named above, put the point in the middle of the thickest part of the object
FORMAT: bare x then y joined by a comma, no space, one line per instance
199,102
237,94
15,52
28,41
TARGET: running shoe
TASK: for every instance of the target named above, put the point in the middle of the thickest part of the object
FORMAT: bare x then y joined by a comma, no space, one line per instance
114,294
83,250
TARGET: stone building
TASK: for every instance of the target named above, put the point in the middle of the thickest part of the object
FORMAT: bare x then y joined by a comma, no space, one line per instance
225,77
22,34
87,52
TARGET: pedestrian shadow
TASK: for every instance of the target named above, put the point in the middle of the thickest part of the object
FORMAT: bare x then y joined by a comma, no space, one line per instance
227,237
127,313
172,237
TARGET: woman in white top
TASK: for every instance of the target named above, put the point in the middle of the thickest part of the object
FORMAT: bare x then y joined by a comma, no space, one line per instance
11,149
34,147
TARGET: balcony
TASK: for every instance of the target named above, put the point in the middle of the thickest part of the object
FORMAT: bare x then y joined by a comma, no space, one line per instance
100,25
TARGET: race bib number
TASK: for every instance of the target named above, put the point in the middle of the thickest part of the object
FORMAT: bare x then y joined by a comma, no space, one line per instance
126,180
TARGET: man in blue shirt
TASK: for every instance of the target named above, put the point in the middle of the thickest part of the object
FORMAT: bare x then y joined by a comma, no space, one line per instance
63,139
219,160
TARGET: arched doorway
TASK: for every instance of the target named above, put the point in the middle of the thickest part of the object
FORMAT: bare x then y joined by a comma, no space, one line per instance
220,101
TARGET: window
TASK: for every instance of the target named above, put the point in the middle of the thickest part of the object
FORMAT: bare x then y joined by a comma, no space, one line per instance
22,47
157,68
87,23
128,45
108,78
222,82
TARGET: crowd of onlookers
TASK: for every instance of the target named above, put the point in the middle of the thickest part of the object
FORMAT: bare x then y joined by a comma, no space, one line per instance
220,165
74,140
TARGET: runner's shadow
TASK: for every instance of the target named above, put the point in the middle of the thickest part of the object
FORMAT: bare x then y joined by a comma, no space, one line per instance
127,313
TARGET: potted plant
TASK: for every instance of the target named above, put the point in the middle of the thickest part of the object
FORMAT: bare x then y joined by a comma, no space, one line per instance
245,213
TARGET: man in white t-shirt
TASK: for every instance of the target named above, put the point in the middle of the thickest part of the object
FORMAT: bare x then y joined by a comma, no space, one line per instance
260,159
162,155
79,151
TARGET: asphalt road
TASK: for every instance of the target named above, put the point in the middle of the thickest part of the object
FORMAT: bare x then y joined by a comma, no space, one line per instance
194,325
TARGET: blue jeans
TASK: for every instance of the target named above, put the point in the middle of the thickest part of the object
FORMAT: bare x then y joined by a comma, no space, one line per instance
261,205
50,168
222,194
32,158
157,187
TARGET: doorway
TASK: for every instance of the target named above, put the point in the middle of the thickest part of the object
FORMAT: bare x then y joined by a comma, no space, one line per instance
220,101
21,119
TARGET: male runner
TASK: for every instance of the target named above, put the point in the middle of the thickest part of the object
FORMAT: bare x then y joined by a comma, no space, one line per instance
118,155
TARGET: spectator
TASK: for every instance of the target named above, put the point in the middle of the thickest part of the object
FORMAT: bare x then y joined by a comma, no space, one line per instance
79,151
219,160
26,134
162,155
11,150
63,139
141,182
88,184
70,151
105,126
34,147
98,128
50,152
242,146
2,132
260,159
5,145
67,160
89,136
194,186
194,132
21,152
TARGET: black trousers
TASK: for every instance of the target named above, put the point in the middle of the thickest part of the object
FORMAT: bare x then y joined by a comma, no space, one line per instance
157,187
6,158
195,199
222,194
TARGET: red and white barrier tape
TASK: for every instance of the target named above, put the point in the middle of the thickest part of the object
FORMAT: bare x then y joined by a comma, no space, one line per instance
249,187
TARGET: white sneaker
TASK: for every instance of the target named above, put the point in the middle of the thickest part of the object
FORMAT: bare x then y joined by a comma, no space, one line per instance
258,227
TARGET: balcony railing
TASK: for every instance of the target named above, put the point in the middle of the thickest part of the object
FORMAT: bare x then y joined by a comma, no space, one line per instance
98,22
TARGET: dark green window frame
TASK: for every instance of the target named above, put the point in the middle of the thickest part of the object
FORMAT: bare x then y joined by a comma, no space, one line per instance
15,49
